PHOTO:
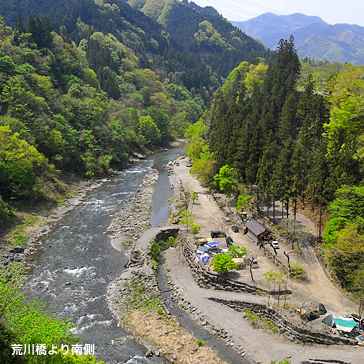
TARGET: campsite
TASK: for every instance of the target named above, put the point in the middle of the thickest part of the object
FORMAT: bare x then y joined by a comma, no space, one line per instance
239,260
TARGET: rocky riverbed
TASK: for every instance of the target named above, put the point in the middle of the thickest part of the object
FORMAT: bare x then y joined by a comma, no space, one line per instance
129,224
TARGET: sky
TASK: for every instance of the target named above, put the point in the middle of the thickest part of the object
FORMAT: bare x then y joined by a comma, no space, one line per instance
332,11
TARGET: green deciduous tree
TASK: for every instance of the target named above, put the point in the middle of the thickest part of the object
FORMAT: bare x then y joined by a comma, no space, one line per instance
223,263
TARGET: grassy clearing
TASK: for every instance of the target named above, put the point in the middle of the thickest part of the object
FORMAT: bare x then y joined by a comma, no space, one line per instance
259,322
142,299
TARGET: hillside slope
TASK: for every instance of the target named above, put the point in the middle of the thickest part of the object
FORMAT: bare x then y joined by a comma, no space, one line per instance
196,54
314,38
202,34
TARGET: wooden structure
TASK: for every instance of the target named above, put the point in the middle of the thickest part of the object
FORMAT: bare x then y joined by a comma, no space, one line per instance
256,231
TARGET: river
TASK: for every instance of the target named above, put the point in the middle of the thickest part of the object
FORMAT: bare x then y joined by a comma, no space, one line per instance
77,261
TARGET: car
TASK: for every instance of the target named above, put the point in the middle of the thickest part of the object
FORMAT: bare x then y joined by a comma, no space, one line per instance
235,229
360,340
275,244
217,234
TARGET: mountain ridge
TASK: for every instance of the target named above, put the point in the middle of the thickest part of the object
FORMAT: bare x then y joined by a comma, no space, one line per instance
314,37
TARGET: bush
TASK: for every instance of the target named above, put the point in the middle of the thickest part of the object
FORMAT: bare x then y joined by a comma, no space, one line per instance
157,247
223,263
195,228
6,213
259,322
20,165
25,322
243,202
200,342
237,251
297,271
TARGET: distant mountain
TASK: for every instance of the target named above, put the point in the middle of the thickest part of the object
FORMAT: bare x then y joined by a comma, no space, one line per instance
314,38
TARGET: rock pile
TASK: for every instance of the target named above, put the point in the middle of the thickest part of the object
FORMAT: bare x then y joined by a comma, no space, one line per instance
131,222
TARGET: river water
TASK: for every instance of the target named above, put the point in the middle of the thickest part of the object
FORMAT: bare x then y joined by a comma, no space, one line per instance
77,262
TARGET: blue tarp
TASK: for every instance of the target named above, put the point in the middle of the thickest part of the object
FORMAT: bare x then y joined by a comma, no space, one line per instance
212,244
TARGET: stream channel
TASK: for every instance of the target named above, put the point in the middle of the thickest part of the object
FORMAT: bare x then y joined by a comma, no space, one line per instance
77,263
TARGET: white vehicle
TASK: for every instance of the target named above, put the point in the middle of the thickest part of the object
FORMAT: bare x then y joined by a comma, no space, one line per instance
275,244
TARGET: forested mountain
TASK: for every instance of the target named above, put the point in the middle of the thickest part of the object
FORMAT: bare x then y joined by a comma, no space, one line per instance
84,84
169,49
314,38
278,132
206,41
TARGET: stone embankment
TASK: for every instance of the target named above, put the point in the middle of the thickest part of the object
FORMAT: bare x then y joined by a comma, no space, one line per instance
291,331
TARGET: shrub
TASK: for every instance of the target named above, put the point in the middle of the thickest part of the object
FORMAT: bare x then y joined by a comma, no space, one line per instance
6,213
223,263
20,165
243,202
195,228
200,342
237,251
259,322
157,247
297,271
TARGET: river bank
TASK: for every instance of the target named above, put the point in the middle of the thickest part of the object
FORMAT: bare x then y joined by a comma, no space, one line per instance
24,238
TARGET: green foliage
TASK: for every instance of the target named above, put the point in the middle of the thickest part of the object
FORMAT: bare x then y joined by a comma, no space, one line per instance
200,342
275,277
243,202
28,324
203,162
208,45
195,228
82,109
226,179
346,258
14,274
223,263
157,247
297,271
186,217
237,251
344,237
259,322
140,298
194,197
6,213
149,130
20,165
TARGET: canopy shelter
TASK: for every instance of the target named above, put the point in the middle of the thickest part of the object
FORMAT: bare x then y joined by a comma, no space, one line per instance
256,231
344,324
